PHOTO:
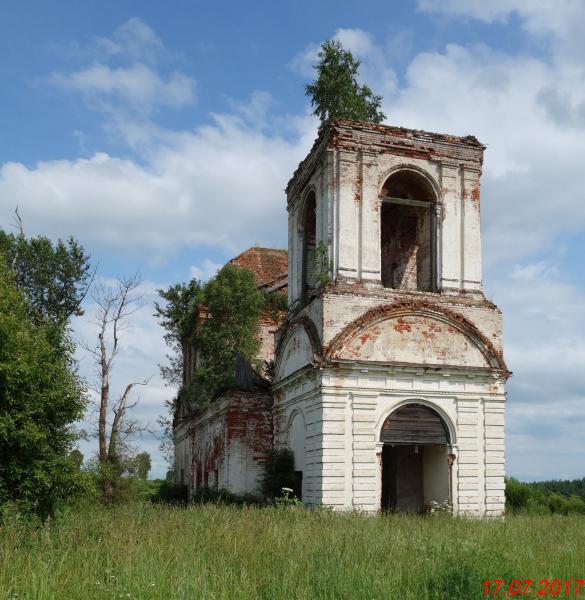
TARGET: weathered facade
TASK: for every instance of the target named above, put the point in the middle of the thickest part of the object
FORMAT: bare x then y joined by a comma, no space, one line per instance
389,373
225,446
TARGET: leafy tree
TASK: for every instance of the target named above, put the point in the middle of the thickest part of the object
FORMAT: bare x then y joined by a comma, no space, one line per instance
40,398
544,497
77,457
517,494
54,278
177,316
143,464
336,92
234,305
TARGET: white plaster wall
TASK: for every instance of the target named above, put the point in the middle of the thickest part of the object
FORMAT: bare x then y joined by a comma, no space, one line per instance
435,474
183,454
343,428
296,402
243,472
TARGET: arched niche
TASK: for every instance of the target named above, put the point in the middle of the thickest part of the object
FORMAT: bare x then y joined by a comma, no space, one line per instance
296,439
417,332
297,443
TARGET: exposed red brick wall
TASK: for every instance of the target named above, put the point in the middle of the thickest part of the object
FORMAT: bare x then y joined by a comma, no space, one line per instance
249,419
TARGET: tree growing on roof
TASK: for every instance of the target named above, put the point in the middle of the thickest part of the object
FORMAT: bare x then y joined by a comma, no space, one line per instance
234,304
336,92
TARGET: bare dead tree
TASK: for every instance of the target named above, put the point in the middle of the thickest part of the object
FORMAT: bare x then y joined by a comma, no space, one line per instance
115,305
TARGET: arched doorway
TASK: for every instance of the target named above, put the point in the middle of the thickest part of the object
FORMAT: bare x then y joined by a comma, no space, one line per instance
415,459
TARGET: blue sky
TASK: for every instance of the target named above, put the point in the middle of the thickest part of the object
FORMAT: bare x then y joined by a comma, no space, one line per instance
162,137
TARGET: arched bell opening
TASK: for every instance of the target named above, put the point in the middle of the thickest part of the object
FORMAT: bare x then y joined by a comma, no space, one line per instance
309,233
416,460
408,232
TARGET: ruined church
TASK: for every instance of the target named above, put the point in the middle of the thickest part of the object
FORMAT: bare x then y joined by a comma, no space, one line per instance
388,370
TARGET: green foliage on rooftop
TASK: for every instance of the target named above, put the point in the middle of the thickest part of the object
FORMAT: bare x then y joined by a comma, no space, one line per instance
336,92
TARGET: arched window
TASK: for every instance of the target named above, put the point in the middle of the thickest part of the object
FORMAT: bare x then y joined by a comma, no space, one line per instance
309,229
408,232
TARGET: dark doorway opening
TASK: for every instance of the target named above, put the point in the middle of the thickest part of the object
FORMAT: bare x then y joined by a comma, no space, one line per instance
402,479
415,453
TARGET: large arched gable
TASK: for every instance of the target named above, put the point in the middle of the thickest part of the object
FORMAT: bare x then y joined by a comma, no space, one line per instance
417,333
299,346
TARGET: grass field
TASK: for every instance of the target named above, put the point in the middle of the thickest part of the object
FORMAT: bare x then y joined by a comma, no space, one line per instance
211,552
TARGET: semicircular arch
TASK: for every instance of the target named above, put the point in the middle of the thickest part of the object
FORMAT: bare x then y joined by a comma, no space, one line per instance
309,194
414,169
413,324
445,418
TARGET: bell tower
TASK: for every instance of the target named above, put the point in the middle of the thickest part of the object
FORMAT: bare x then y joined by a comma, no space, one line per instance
388,324
389,207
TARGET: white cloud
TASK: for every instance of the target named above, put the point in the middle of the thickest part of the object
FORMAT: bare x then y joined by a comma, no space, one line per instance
124,75
358,41
138,86
220,185
545,347
561,21
206,270
133,40
531,190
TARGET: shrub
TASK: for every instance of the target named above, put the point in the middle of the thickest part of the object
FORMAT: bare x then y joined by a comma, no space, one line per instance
169,492
517,494
279,472
207,495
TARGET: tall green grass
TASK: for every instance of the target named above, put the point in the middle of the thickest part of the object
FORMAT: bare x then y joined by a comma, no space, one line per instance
212,552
